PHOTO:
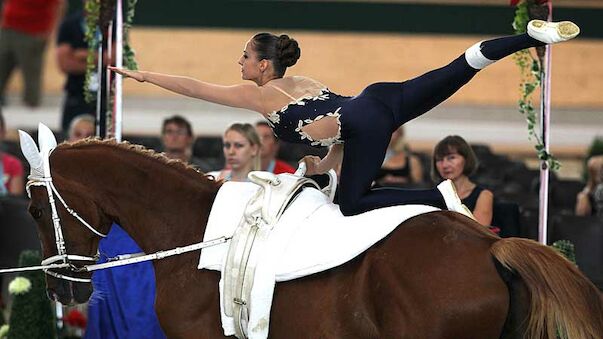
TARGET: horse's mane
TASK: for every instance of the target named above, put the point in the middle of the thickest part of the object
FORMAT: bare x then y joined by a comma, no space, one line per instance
189,170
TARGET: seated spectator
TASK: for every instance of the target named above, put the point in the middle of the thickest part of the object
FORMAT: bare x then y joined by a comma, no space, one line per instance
454,159
11,169
400,167
177,142
590,200
269,150
241,151
81,127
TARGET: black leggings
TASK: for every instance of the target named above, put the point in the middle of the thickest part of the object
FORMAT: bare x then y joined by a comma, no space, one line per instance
370,118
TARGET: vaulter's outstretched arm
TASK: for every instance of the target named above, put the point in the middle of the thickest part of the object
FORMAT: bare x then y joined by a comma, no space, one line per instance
246,96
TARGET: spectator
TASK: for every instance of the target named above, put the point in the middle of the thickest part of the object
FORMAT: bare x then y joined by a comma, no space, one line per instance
454,159
242,152
269,150
11,169
25,29
81,127
71,53
590,200
400,167
177,142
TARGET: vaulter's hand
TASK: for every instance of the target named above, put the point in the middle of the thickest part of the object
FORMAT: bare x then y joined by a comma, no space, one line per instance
128,73
312,164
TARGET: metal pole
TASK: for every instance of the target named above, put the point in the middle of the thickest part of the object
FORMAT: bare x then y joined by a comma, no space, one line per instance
108,83
545,116
118,101
100,112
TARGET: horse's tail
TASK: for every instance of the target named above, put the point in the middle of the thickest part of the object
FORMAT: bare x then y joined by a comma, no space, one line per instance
562,298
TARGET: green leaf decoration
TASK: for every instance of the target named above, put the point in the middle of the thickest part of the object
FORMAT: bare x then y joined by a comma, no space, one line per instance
91,35
531,76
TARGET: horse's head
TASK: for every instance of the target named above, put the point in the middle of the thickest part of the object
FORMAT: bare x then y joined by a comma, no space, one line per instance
70,224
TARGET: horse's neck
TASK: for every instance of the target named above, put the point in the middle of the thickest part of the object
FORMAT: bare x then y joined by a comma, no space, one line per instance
158,205
167,213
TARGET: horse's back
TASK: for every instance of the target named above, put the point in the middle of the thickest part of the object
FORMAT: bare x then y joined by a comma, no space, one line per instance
433,277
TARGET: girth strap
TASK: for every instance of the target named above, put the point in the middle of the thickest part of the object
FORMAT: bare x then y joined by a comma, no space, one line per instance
263,211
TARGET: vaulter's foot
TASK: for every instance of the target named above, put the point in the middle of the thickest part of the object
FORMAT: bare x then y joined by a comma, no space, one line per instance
552,32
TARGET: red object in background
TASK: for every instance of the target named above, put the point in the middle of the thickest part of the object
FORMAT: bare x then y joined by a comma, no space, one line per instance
538,2
75,318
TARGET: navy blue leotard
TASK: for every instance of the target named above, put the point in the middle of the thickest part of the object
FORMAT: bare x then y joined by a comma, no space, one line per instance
366,122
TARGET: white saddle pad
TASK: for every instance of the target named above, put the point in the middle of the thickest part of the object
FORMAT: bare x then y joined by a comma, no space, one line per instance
311,236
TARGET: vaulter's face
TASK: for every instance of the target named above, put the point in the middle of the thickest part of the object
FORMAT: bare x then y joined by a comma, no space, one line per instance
250,65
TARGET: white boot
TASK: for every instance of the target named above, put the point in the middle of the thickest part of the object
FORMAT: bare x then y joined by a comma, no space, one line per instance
452,200
552,32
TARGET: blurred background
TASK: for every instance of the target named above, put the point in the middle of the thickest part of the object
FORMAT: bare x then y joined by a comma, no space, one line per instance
348,44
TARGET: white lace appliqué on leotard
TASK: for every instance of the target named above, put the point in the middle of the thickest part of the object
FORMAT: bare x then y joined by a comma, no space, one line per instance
275,117
336,139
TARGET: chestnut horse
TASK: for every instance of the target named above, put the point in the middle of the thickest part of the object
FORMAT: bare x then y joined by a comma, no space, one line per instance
438,275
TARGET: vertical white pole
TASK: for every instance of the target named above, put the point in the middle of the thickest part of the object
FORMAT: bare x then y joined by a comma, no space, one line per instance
99,93
545,120
118,108
109,119
58,308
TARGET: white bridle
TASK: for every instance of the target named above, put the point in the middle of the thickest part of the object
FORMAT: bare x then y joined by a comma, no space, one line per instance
62,257
40,176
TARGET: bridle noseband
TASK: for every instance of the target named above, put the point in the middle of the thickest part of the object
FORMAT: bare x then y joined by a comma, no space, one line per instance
62,259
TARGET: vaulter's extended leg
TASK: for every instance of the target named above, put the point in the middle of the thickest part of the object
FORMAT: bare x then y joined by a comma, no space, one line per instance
423,93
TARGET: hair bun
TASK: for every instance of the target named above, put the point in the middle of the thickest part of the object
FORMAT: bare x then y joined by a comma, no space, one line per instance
288,51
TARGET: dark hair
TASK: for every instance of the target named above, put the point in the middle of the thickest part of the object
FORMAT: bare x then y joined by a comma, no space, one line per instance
266,124
180,121
2,125
453,144
281,50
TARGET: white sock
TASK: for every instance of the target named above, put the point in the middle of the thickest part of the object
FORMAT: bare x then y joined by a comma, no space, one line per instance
475,58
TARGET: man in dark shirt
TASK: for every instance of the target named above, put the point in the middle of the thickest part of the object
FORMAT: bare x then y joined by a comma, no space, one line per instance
72,51
177,139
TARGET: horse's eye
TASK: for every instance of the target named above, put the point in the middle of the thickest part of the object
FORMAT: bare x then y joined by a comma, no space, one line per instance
35,212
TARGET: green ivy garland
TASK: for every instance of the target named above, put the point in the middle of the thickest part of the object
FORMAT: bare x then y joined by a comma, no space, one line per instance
531,77
93,14
92,8
129,61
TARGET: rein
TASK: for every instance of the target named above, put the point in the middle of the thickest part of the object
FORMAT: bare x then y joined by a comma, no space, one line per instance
120,260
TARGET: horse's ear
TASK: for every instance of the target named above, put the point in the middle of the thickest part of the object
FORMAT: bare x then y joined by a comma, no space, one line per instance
46,139
31,153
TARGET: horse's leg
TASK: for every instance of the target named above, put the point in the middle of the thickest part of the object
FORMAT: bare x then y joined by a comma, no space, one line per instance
326,305
519,308
433,279
187,300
